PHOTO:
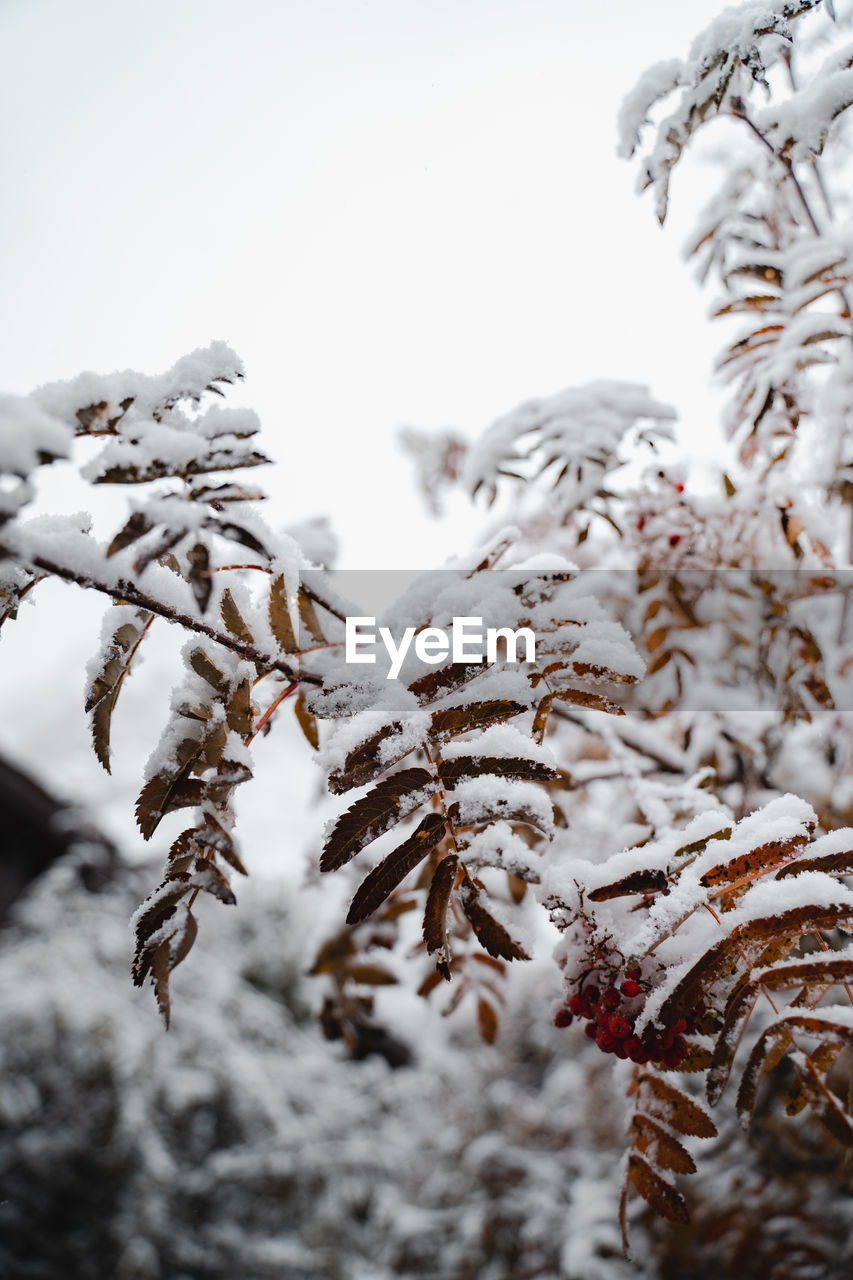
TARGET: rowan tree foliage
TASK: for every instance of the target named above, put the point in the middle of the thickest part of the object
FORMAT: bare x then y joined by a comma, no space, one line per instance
665,788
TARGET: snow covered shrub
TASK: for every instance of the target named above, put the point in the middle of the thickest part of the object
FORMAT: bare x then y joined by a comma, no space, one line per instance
630,789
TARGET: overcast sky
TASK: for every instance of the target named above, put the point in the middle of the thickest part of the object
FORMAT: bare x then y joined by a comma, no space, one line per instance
395,210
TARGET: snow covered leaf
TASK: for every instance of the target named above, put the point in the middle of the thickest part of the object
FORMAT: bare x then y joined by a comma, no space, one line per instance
666,1200
377,886
234,620
667,1151
435,913
446,724
673,1105
280,619
125,628
306,720
491,934
388,802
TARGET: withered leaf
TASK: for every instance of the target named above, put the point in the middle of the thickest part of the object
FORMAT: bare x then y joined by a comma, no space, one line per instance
333,954
663,1197
136,527
449,722
389,801
160,979
234,620
107,682
382,880
473,766
210,879
435,913
668,1153
714,961
487,1020
428,688
363,762
205,667
833,864
182,940
306,720
648,881
198,574
238,709
155,798
372,975
755,862
586,698
281,622
680,1112
308,618
491,934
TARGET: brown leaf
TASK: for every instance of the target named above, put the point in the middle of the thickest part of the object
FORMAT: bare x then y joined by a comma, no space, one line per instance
157,796
382,880
474,766
680,1112
136,527
756,862
182,940
717,958
306,720
668,1153
430,687
449,722
491,934
833,864
205,667
238,709
435,913
160,979
586,698
107,683
648,881
487,1020
210,879
308,618
281,622
389,801
663,1197
372,975
363,763
234,620
198,574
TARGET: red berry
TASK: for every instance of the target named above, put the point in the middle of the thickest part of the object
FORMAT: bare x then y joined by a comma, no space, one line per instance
577,1004
633,973
674,539
618,1026
592,995
630,987
605,1041
635,1049
675,1055
562,1018
591,1029
610,1000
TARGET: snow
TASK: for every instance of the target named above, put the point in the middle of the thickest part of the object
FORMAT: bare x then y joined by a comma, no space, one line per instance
655,83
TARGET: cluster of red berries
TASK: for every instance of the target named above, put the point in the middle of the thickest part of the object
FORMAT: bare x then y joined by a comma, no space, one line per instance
611,1012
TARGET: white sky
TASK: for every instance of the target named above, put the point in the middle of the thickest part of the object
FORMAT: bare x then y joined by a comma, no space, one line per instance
395,211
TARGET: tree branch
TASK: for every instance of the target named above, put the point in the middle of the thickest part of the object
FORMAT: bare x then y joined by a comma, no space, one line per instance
127,593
